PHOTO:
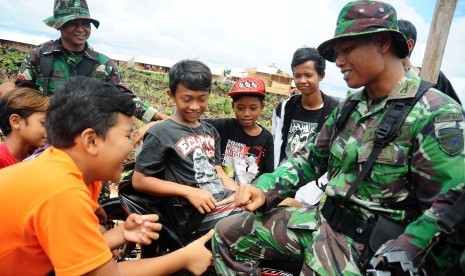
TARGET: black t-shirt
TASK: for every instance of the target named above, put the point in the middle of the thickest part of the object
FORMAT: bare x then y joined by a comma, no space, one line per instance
303,125
243,157
186,156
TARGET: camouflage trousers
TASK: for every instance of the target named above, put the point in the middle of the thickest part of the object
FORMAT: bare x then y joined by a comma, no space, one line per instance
242,240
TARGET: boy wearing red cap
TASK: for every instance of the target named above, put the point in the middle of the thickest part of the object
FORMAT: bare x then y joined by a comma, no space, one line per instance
246,147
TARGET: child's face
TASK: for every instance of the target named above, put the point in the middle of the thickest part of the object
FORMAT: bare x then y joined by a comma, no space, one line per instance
247,110
32,130
190,105
114,149
306,78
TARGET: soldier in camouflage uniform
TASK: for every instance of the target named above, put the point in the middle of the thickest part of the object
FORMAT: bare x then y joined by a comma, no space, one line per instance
72,19
418,166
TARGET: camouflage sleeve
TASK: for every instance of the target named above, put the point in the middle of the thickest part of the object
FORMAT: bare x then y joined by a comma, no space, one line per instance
28,71
144,112
300,168
420,233
437,166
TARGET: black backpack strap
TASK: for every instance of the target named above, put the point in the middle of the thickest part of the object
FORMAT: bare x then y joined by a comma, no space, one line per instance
345,112
85,67
388,129
454,216
46,65
287,119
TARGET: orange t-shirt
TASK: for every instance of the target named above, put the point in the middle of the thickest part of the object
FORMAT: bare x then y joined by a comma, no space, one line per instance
48,219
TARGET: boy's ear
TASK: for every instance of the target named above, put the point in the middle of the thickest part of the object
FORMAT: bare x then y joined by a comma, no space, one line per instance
15,121
411,45
170,94
89,140
322,76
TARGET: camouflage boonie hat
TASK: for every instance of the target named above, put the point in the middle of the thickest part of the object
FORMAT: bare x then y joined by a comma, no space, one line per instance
67,10
365,17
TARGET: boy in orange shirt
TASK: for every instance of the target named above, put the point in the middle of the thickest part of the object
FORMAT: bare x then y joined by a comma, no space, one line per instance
49,221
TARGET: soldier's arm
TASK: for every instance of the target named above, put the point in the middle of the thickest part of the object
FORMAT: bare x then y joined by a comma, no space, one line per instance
438,168
300,168
27,73
144,112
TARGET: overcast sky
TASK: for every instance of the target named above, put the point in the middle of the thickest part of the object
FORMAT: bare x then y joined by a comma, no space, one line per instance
239,33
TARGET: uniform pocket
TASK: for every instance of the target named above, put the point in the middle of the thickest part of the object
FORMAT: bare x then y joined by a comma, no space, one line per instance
387,176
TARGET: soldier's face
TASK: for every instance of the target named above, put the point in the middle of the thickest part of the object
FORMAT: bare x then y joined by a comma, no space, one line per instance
359,60
75,33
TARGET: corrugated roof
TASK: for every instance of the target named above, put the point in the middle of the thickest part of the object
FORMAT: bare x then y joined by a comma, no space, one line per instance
238,72
119,57
267,70
164,62
23,38
217,71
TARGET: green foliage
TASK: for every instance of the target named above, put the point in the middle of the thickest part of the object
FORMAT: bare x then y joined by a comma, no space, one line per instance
10,60
151,88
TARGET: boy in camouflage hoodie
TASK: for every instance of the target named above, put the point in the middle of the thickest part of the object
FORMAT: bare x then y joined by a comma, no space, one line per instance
420,165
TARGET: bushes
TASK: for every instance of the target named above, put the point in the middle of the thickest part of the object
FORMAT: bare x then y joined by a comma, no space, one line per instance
151,89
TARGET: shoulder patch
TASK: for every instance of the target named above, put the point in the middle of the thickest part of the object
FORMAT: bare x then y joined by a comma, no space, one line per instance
451,140
405,88
457,117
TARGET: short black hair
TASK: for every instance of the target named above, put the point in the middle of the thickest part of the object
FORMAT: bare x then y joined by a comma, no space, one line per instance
238,97
192,74
83,103
408,29
305,54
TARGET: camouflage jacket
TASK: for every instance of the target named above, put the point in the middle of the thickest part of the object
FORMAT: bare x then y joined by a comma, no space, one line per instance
65,65
417,168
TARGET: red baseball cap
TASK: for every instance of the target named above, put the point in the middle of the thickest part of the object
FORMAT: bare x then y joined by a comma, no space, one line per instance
248,86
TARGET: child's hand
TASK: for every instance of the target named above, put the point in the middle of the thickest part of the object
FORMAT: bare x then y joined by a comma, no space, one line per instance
197,256
141,229
202,200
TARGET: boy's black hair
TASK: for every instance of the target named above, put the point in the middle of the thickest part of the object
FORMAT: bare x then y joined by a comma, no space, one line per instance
83,103
305,54
192,74
408,29
238,97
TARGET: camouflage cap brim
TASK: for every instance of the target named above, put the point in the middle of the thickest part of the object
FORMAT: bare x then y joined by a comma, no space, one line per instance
57,23
326,49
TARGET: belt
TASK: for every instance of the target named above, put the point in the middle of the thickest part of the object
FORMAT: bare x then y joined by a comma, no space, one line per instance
343,221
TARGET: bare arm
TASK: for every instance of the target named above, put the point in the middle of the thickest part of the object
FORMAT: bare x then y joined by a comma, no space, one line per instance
228,182
194,258
202,200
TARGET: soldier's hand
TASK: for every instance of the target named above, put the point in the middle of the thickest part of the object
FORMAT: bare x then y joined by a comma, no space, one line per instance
246,197
138,134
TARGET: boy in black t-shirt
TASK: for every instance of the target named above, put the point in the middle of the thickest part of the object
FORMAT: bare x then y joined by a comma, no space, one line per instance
296,119
186,152
246,147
